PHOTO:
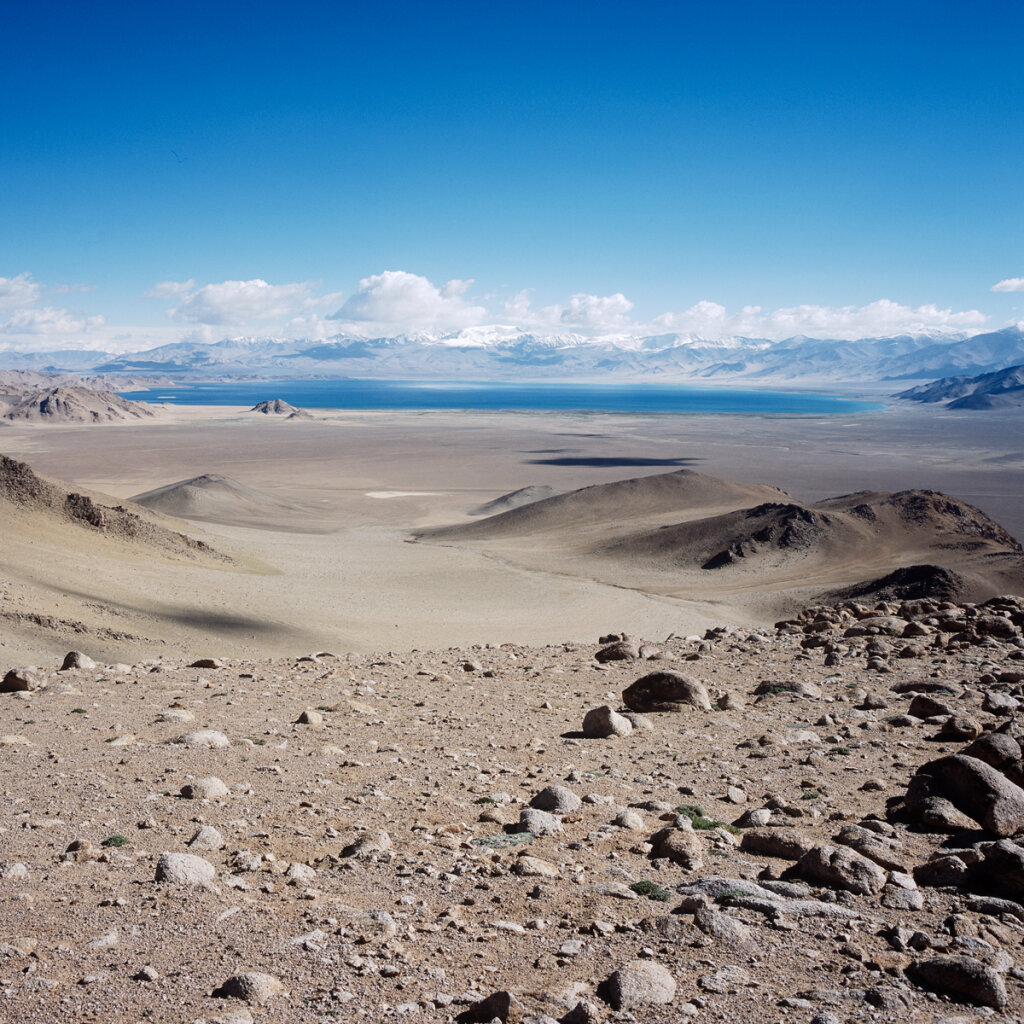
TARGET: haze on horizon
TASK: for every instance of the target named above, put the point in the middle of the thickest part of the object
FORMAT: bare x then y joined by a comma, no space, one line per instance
766,171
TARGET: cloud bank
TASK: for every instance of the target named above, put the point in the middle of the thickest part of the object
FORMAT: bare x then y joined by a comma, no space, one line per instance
399,301
876,319
395,302
237,303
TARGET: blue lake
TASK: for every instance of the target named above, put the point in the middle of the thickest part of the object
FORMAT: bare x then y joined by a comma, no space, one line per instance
562,396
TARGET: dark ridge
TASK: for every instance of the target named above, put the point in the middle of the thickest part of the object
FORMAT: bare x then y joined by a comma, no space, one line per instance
909,583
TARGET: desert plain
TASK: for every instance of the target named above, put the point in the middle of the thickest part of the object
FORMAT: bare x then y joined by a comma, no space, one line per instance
369,754
321,540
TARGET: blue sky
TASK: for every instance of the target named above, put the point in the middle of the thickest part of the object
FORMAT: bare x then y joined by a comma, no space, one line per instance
306,168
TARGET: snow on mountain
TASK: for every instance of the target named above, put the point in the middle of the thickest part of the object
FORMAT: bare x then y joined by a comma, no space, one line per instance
504,351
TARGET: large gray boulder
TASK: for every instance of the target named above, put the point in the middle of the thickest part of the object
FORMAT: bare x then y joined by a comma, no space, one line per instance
975,789
603,723
639,983
839,867
962,978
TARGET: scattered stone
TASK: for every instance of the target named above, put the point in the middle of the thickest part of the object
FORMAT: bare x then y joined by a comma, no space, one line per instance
253,987
184,869
77,660
603,723
639,983
557,800
841,868
210,738
209,788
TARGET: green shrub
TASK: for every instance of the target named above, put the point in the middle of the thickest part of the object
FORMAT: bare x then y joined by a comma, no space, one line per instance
652,891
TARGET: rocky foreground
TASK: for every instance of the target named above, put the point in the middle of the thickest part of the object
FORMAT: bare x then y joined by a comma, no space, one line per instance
816,823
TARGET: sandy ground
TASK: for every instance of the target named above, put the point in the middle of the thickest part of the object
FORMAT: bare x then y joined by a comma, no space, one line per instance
346,574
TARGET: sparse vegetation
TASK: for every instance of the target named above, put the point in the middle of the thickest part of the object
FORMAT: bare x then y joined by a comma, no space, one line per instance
702,823
652,891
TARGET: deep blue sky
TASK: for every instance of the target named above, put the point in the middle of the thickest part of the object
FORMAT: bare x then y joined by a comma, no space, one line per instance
745,153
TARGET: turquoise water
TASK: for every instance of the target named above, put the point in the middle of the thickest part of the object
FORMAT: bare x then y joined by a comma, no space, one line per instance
633,397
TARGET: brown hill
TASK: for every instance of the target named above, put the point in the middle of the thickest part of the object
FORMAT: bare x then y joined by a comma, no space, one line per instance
690,537
25,495
75,405
515,499
219,499
969,555
279,407
683,492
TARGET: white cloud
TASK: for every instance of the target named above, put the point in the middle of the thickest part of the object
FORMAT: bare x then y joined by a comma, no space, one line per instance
170,289
876,319
585,313
1010,284
597,311
399,300
49,321
18,291
239,302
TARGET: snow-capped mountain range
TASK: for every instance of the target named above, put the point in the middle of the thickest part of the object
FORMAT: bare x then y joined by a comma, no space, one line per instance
496,353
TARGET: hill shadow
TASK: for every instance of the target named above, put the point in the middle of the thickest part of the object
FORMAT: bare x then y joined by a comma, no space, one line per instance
610,462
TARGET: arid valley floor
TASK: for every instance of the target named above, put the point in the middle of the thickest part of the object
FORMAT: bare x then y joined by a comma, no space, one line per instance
334,765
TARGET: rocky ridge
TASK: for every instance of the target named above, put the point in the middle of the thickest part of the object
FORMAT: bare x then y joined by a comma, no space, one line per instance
518,834
74,404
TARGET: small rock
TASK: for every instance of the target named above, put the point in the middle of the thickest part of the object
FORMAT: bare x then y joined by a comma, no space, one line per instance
603,723
207,838
639,983
209,788
184,869
76,659
206,738
252,987
557,800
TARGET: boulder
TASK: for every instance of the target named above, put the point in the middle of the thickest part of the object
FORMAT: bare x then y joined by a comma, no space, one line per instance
251,987
184,869
961,978
76,659
977,790
557,800
680,845
666,691
839,867
603,723
639,983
